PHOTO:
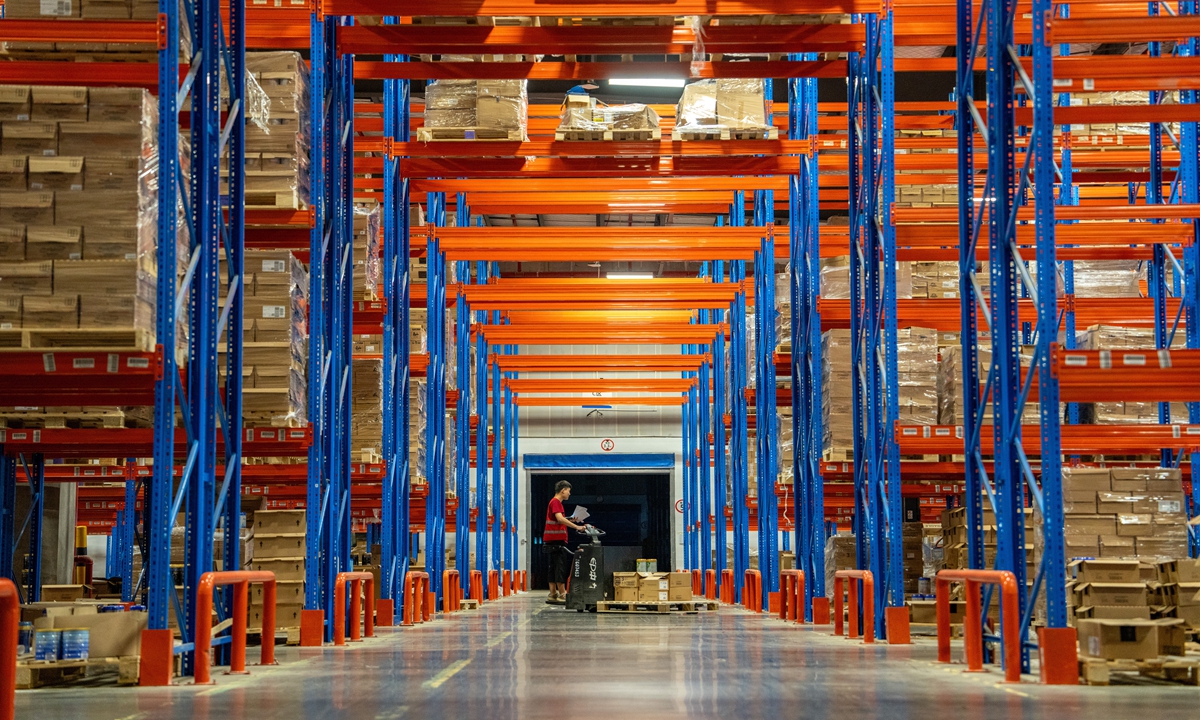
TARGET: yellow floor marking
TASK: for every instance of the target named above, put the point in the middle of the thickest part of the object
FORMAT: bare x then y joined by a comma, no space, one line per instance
443,676
498,639
395,714
1016,692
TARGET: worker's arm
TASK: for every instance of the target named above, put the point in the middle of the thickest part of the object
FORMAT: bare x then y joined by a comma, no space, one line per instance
558,517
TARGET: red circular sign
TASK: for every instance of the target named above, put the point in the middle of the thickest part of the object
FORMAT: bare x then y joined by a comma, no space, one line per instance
607,445
679,506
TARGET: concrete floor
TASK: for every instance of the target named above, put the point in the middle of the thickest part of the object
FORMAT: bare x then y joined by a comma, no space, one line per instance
520,658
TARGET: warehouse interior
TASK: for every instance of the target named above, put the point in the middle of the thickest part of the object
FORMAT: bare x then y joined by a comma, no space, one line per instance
856,343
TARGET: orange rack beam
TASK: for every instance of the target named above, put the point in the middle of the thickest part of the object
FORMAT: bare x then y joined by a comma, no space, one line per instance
601,334
1129,375
581,149
600,385
597,363
598,294
577,8
671,243
653,400
368,70
1097,439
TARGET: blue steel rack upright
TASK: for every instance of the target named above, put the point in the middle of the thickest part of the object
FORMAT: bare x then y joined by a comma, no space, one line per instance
766,426
806,363
871,143
328,537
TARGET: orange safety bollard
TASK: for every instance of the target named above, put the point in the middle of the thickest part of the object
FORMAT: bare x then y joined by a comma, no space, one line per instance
855,577
493,584
385,612
710,584
356,580
523,578
727,594
451,591
477,585
752,591
416,585
791,608
697,583
10,620
506,582
973,623
820,611
240,580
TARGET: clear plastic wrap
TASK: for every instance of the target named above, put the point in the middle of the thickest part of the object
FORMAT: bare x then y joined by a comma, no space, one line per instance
837,383
278,133
835,278
917,364
1113,337
482,109
578,112
698,54
1108,278
950,385
731,103
697,106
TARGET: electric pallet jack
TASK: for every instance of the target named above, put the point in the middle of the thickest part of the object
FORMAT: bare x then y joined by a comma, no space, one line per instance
587,580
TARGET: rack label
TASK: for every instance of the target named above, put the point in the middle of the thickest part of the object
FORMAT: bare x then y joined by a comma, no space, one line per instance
61,8
84,363
48,362
114,362
139,363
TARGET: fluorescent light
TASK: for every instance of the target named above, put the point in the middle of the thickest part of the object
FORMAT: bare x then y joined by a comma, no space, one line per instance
630,276
649,82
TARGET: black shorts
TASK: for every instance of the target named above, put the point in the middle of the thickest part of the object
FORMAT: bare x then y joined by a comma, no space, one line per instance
559,558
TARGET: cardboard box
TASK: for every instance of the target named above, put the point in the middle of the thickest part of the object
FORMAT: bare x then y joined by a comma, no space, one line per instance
111,173
1085,546
499,112
1113,503
106,10
62,172
14,100
29,138
1085,480
115,311
1105,571
117,634
1132,612
58,103
925,611
276,522
1179,571
102,277
1129,480
41,8
108,207
10,312
13,172
1132,525
12,243
679,586
1112,594
277,546
1118,639
1117,546
653,587
112,243
1090,525
50,311
104,139
53,242
63,593
625,586
27,208
27,278
285,569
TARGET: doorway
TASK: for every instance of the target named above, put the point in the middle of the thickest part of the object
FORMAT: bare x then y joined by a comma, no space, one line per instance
633,508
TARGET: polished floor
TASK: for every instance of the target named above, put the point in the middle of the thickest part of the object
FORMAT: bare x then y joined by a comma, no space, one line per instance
520,658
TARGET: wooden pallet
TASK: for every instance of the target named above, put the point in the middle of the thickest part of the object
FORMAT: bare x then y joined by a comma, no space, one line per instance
1159,671
79,340
664,20
428,134
282,200
837,455
624,135
724,133
40,673
482,21
468,604
689,607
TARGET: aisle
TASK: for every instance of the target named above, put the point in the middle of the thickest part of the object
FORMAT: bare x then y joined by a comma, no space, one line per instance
520,658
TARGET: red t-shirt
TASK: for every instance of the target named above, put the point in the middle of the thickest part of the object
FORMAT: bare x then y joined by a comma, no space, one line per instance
554,532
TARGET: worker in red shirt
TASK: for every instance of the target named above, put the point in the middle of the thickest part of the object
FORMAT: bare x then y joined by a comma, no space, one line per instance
554,540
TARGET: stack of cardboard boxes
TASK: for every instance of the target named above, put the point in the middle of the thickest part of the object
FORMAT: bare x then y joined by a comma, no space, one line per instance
836,397
722,104
841,553
275,347
652,587
278,545
1136,513
912,551
954,538
277,145
1114,611
950,384
583,119
917,365
475,109
1178,589
78,209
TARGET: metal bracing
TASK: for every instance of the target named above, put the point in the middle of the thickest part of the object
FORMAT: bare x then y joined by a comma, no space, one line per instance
871,125
1189,183
482,275
704,457
806,366
462,413
720,408
766,429
687,410
396,342
329,538
435,400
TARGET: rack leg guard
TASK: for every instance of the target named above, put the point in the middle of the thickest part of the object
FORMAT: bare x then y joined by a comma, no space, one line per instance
506,581
477,585
385,612
752,591
1058,650
357,581
851,580
240,580
10,618
710,584
157,663
896,621
493,584
820,610
972,622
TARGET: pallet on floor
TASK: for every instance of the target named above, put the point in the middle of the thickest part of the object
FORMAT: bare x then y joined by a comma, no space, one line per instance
1159,671
674,606
725,133
40,673
615,135
468,604
77,340
428,134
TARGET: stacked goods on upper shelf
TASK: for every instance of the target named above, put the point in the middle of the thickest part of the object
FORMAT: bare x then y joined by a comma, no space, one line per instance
583,118
277,136
950,385
841,553
1111,99
99,51
278,544
783,310
1111,337
917,365
836,398
368,251
78,211
723,109
475,109
275,349
954,539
